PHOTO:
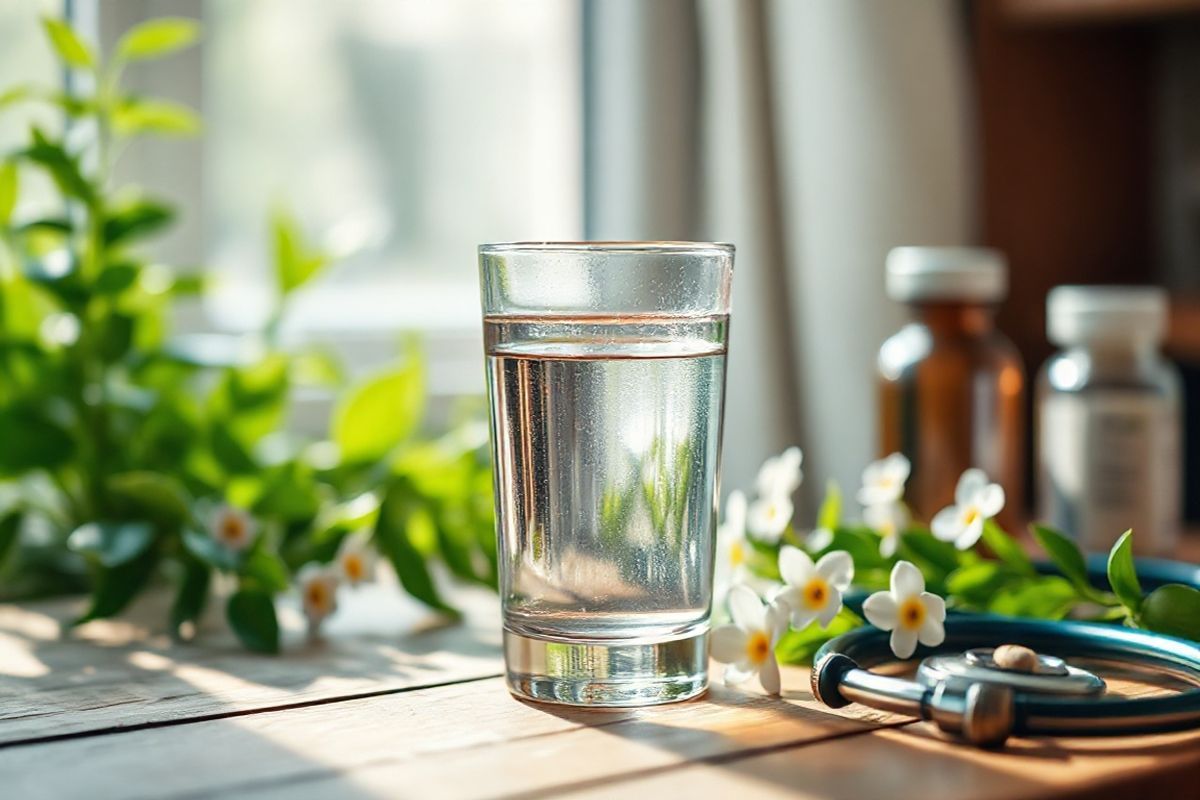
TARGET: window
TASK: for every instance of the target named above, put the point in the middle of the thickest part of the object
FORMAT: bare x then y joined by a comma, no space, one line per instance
405,133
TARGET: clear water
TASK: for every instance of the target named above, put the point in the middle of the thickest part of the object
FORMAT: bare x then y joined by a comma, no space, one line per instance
606,435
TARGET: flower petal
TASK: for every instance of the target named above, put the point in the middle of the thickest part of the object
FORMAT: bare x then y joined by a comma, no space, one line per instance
947,524
970,484
735,514
728,644
795,566
881,610
991,500
832,607
818,539
970,534
768,675
738,673
897,467
907,581
745,608
932,632
801,617
837,568
935,607
769,517
904,642
887,545
776,619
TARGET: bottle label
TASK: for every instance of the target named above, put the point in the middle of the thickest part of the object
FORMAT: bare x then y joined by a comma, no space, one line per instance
1110,462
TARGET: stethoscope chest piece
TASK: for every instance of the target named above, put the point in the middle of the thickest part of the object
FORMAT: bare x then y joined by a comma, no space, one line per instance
1034,672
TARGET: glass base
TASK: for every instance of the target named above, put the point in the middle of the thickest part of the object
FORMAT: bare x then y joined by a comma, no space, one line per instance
607,674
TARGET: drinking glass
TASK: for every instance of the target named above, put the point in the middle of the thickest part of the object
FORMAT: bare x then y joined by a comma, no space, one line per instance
606,381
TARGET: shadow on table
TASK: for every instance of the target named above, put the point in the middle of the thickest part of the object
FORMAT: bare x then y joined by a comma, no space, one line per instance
824,754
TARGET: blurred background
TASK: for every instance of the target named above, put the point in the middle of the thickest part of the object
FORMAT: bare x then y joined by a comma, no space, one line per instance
815,135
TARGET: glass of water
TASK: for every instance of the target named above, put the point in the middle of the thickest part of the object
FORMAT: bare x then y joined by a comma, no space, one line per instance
606,378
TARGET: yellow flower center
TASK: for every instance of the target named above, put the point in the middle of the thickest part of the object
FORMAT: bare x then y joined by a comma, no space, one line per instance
971,515
232,529
758,647
816,594
353,566
316,595
912,613
737,554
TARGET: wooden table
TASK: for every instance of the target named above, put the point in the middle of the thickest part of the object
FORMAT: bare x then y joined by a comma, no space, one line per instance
391,705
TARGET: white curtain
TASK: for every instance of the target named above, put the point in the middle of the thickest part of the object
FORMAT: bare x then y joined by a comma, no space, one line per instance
813,134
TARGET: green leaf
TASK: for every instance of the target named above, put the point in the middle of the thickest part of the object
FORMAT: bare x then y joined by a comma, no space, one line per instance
192,596
134,116
295,263
1067,557
1006,548
10,531
9,191
393,537
316,368
266,571
799,646
114,338
115,587
290,493
1173,609
830,514
70,48
111,543
29,440
135,220
157,38
155,496
62,167
1122,574
117,277
377,415
210,551
233,457
927,550
251,614
977,583
861,543
1048,597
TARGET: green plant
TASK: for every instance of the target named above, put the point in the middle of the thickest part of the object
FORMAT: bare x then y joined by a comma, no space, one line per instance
120,442
1001,580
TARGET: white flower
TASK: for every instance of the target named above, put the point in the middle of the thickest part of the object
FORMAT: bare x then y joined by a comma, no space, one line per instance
233,528
748,644
769,517
814,591
356,560
818,539
975,501
318,592
883,480
780,475
889,520
733,551
908,611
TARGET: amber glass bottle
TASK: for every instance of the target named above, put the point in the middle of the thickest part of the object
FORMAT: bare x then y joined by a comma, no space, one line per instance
951,386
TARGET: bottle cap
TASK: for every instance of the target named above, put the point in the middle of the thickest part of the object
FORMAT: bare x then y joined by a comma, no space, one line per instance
1078,314
974,274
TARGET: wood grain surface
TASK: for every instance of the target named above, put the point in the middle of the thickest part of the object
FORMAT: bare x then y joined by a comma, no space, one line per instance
392,704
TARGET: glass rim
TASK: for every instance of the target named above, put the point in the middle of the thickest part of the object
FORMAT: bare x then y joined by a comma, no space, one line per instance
617,246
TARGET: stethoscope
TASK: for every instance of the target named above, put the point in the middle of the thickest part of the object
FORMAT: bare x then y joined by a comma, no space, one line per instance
961,688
